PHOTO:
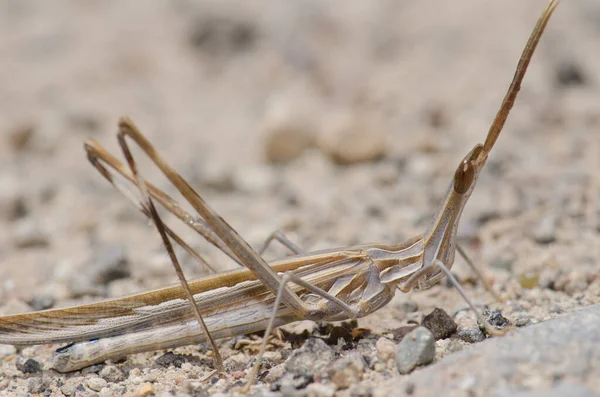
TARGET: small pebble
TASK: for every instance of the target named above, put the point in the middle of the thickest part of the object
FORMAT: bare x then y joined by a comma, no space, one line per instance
286,139
348,138
222,36
21,136
400,332
289,383
288,128
409,307
313,357
386,349
471,335
96,384
135,372
217,176
30,366
170,358
569,73
194,387
347,371
109,263
545,230
27,234
273,374
379,367
522,320
496,318
12,203
145,390
42,302
136,380
187,367
38,385
237,362
439,323
529,280
110,373
92,369
454,346
71,385
361,390
417,348
105,392
320,390
4,384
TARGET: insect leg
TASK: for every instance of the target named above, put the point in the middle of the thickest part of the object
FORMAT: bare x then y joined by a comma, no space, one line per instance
478,274
278,235
141,184
408,285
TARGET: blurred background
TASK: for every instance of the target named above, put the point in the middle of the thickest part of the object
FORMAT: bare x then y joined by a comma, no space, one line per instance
338,123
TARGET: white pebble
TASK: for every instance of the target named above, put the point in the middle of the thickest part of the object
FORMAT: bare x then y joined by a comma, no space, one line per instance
96,384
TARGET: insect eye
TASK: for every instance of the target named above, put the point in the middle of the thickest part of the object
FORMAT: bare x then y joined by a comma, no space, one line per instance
463,177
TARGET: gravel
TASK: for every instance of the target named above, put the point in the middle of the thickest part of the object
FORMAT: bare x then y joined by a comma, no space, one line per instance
552,356
471,334
30,366
38,385
416,349
96,384
386,349
313,357
346,371
110,373
439,323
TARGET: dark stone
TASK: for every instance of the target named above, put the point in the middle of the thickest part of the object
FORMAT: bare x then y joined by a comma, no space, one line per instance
570,74
401,332
496,318
439,323
216,35
30,366
171,358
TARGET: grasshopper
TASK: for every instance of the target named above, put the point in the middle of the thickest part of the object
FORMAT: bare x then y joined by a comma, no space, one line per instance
328,285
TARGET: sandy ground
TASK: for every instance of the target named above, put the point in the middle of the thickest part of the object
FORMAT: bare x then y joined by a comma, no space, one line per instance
214,84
